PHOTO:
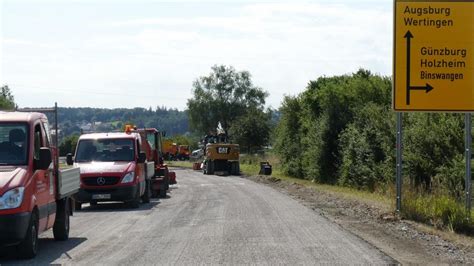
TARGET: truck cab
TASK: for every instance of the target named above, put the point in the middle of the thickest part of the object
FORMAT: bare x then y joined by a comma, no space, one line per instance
112,169
183,152
34,193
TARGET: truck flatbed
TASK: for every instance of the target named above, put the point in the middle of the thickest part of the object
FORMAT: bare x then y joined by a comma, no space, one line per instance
68,182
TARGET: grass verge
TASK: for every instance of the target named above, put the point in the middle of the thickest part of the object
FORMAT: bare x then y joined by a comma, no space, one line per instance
440,211
184,164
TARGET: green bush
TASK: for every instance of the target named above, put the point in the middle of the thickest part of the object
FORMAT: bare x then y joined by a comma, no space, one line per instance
366,147
308,137
68,145
431,141
439,210
451,177
341,130
288,137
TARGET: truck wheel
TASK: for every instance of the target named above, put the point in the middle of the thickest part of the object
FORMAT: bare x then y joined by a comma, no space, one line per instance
146,196
134,204
77,206
29,246
61,224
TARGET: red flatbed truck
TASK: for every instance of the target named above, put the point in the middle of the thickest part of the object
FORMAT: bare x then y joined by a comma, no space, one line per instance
34,193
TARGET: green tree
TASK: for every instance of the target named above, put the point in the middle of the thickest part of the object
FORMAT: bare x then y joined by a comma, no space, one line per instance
224,95
366,148
7,101
288,137
252,131
68,145
431,141
308,137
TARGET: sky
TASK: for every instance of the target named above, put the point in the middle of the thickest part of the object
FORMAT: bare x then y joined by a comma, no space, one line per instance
147,53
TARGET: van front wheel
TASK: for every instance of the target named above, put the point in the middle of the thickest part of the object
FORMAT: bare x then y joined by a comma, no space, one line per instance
29,246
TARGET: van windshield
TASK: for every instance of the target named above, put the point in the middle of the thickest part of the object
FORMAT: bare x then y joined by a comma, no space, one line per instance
13,144
105,150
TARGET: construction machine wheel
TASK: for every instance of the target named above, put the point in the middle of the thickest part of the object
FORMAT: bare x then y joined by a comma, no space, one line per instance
234,168
237,168
210,167
162,193
164,187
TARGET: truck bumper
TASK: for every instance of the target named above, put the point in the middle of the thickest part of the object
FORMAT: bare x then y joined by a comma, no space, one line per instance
13,228
127,193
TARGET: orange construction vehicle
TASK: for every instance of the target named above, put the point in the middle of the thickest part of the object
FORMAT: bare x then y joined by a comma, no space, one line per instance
169,150
183,152
152,146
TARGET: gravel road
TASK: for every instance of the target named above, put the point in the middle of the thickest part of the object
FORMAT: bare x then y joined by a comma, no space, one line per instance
206,220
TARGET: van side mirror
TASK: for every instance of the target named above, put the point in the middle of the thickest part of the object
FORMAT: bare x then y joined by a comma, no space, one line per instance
44,160
141,157
69,159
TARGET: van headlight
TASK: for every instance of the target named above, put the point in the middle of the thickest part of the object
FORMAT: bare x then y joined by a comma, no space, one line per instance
12,199
128,178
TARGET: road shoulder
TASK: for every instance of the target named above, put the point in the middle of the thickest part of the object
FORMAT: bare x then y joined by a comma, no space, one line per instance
406,241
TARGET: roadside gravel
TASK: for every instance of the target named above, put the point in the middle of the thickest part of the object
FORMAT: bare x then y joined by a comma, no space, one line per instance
405,241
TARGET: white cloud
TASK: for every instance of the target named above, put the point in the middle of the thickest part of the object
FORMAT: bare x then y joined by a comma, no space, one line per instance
282,45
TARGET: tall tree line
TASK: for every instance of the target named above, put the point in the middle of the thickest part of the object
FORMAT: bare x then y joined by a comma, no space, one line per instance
341,130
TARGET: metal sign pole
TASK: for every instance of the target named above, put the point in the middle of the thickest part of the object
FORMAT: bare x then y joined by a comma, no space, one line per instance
399,161
468,141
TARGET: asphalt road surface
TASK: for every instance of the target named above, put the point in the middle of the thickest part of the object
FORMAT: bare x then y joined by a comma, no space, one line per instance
205,220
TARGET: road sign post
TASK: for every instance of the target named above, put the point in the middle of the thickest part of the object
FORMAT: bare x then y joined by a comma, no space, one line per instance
468,151
399,180
433,67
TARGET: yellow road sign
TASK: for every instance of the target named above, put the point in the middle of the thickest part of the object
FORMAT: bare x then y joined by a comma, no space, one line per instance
433,56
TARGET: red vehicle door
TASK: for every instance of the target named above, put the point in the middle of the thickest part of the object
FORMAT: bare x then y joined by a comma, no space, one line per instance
42,179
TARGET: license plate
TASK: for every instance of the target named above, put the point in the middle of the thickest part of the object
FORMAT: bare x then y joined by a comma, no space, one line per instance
101,196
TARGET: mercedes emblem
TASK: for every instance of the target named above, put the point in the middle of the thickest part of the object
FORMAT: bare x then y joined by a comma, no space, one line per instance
100,181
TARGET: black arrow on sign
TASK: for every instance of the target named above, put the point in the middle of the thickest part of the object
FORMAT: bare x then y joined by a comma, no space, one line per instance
426,88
